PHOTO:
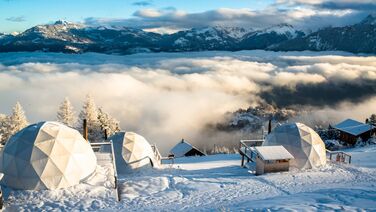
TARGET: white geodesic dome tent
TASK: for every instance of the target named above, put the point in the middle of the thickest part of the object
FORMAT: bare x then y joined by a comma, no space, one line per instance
132,151
302,142
46,155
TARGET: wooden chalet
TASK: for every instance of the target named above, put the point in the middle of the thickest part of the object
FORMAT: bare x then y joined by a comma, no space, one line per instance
351,130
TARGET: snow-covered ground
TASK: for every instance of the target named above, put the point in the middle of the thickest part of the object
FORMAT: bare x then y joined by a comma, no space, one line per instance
216,182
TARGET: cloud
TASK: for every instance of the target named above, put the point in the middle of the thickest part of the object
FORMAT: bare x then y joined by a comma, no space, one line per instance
148,13
16,19
306,15
354,5
142,3
367,5
169,96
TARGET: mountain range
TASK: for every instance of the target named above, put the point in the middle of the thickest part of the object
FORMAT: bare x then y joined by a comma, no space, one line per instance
63,36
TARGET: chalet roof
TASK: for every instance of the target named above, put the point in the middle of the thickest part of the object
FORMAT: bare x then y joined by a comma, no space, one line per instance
183,147
273,153
353,127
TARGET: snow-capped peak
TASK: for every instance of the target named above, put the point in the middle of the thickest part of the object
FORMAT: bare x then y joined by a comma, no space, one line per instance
281,29
370,19
62,22
215,31
112,27
234,32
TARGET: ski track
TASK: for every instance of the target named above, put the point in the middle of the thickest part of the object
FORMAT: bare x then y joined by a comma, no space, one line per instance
213,183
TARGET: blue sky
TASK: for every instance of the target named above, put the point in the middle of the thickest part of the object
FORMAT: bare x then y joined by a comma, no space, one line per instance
164,15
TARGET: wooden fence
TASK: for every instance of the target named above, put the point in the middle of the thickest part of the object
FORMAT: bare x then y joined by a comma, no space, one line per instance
339,156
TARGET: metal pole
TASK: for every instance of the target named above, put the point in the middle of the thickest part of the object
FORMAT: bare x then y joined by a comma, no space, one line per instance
116,186
85,130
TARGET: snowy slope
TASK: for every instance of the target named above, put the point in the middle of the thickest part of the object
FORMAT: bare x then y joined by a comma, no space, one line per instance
217,183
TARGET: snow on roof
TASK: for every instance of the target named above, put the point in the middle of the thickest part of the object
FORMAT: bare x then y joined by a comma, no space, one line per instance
181,148
353,127
273,153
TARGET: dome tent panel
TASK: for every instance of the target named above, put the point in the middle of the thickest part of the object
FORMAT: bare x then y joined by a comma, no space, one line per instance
302,142
49,160
39,165
42,149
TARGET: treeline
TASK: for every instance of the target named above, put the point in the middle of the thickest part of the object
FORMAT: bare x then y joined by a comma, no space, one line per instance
98,121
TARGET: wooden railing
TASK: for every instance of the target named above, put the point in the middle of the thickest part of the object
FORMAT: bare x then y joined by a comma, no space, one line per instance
339,156
98,146
252,143
157,154
246,149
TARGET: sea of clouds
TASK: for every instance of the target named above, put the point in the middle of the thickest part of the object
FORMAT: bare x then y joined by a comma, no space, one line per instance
169,96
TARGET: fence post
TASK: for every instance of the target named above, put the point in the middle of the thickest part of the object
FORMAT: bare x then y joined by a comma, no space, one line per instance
85,130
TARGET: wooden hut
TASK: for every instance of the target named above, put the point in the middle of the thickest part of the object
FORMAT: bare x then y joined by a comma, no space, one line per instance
272,159
185,149
351,130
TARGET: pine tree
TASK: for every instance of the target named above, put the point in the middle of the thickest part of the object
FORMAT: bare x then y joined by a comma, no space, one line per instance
3,127
90,113
372,119
66,114
16,121
108,123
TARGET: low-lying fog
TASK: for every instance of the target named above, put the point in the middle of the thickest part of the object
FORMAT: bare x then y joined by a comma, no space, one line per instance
169,96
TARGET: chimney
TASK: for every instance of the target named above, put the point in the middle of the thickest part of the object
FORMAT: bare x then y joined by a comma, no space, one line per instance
105,134
85,133
270,126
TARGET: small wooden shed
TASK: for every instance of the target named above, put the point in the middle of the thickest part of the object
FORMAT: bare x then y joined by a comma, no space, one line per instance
272,159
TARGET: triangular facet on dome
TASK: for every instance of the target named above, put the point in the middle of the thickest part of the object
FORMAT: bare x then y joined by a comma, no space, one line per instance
50,170
45,146
24,153
61,162
43,136
39,165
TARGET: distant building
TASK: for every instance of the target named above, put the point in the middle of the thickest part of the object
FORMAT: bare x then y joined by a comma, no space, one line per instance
351,130
185,149
272,159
